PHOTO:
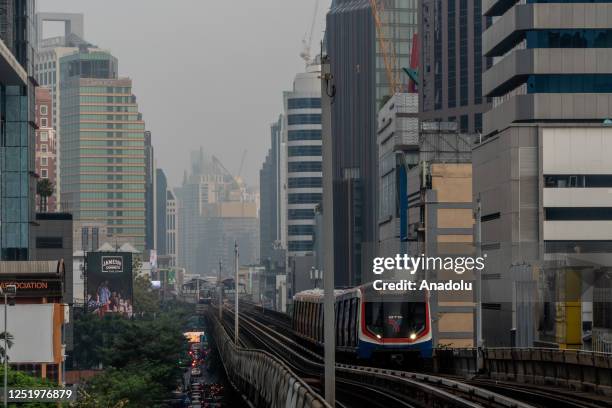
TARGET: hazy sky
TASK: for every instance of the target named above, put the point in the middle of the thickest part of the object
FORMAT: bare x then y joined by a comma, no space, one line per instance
206,73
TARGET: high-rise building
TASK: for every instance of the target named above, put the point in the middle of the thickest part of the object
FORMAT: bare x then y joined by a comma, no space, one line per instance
172,233
102,146
17,134
150,194
47,65
302,132
161,203
543,171
270,212
353,45
46,147
452,62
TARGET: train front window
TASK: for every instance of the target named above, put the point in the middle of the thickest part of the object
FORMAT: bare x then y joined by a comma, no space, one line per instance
395,319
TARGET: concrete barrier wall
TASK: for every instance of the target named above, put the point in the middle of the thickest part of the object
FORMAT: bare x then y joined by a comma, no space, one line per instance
264,380
575,369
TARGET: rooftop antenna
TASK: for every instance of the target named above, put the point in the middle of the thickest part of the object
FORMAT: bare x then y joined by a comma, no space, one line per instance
307,43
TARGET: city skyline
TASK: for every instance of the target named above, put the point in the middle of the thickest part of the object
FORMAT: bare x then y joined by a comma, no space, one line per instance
274,28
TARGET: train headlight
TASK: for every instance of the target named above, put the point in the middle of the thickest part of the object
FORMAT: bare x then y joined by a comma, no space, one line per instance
412,336
378,336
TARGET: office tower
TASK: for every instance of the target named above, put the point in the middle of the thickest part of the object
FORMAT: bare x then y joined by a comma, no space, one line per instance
171,228
47,65
543,172
161,202
270,212
150,195
17,182
302,133
361,87
452,62
46,148
50,50
102,146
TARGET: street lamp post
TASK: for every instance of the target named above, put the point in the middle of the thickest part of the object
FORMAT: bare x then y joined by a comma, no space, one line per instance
478,216
327,94
9,290
236,315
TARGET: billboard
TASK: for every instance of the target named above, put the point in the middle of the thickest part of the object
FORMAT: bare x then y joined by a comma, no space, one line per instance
109,283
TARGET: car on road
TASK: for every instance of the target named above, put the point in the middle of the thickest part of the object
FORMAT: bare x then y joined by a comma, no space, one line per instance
196,371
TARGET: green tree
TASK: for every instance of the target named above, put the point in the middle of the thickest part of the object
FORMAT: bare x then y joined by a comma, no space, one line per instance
44,188
18,379
146,300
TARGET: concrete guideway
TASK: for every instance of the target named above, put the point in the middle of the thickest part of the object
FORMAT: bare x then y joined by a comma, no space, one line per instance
411,389
263,380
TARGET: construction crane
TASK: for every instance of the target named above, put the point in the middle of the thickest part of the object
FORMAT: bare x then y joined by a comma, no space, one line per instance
220,166
305,54
387,48
244,153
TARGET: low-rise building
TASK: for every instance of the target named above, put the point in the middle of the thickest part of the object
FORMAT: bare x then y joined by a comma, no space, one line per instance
36,320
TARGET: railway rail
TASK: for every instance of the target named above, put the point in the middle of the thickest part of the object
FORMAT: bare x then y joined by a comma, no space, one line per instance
392,388
476,391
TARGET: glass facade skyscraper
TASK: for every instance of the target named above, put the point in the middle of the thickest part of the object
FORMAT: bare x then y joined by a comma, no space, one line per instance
357,65
17,99
102,146
452,62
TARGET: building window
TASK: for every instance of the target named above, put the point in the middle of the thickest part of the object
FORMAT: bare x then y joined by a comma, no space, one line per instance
304,103
463,52
463,123
44,173
85,239
44,110
300,214
578,213
43,148
310,134
478,123
304,151
49,242
44,161
309,166
304,119
95,238
452,57
300,229
43,122
300,245
305,198
305,182
44,136
570,83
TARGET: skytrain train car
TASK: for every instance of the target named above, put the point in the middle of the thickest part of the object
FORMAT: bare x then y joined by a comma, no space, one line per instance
369,323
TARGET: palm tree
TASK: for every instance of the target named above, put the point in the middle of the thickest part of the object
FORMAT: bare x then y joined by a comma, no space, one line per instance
44,188
9,342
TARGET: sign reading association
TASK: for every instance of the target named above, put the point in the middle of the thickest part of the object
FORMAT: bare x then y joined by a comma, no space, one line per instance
109,283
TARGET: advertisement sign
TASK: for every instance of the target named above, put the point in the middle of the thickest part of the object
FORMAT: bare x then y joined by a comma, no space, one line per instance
34,287
109,283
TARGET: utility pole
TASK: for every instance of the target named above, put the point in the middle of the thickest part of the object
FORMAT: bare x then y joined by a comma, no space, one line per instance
327,93
5,350
236,314
220,293
478,216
